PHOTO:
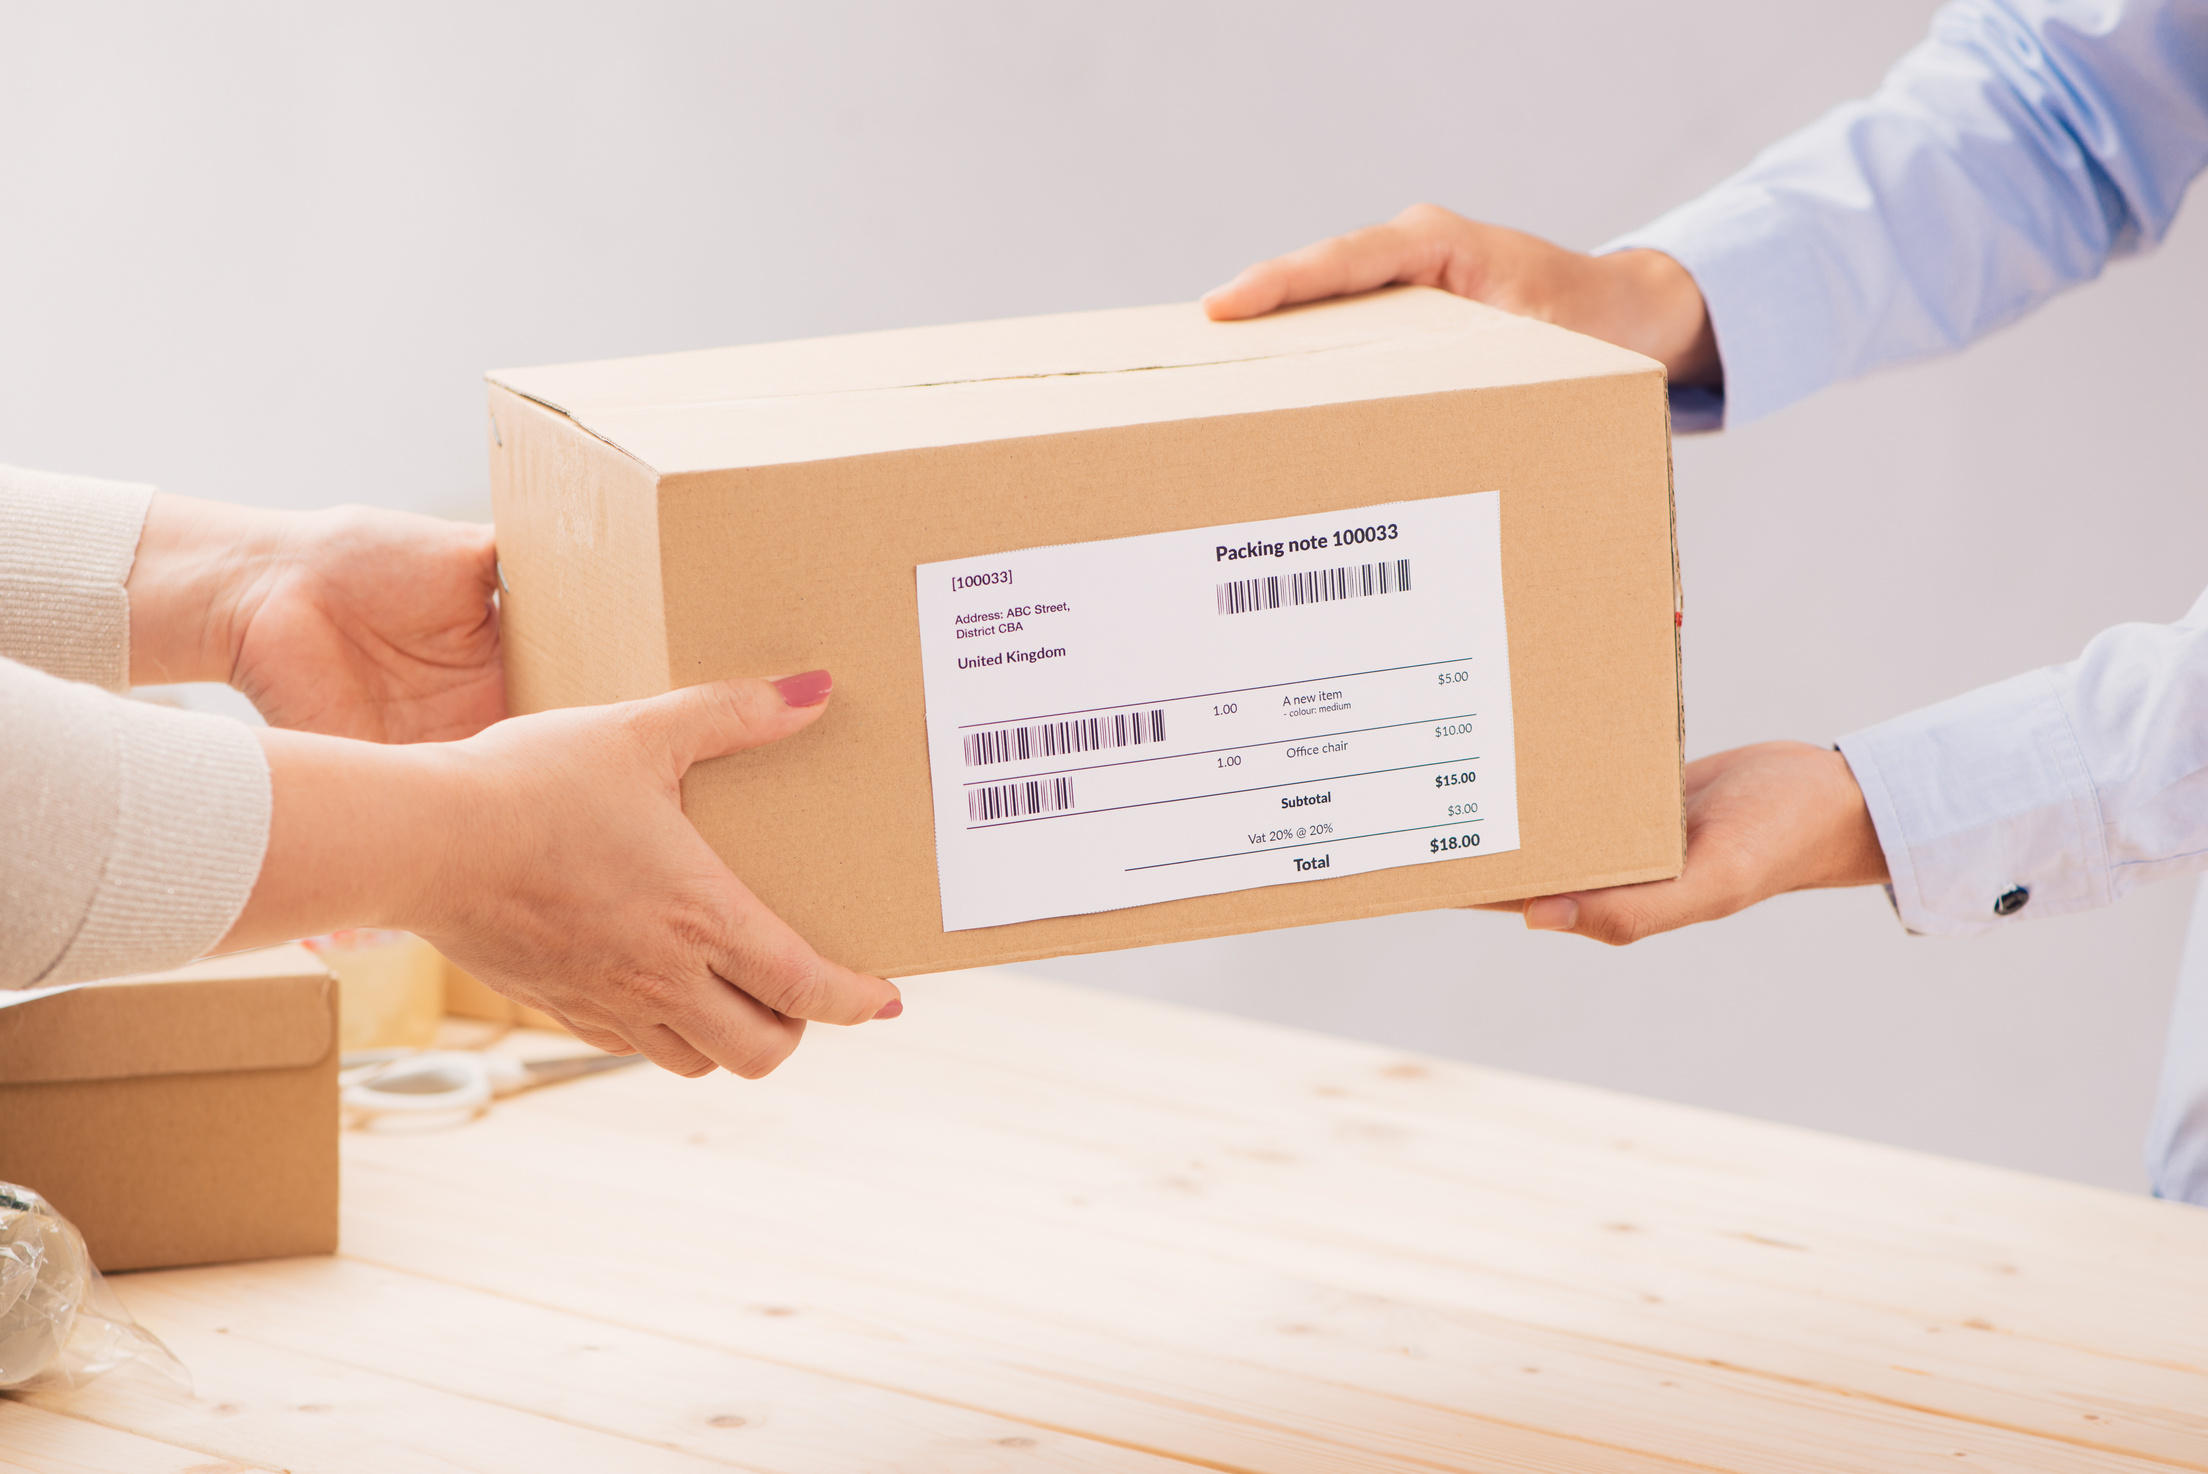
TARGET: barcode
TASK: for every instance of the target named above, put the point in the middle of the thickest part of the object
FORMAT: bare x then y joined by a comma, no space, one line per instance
1062,739
1319,586
1017,800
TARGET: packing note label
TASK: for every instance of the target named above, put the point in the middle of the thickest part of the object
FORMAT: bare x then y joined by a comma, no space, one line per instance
1191,713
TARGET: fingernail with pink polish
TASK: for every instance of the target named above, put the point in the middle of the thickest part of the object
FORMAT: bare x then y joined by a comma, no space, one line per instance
892,1008
809,689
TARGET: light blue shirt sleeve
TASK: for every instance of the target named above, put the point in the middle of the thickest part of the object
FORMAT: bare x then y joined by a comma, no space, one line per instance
2071,785
2011,155
2016,151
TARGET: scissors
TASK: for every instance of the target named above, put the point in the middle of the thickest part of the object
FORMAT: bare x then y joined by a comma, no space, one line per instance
424,1082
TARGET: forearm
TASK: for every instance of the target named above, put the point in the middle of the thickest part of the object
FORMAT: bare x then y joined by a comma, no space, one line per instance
360,834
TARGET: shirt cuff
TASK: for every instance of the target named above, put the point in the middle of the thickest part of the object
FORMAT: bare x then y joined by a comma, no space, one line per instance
1696,409
133,833
1981,796
66,546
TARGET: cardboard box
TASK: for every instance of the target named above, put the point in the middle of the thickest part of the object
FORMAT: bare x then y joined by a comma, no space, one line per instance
762,510
185,1117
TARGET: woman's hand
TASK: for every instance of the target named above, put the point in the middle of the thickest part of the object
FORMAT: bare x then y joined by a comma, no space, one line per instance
1761,820
353,622
1642,300
549,856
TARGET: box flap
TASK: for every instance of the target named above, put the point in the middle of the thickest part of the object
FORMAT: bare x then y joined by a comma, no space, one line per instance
825,398
267,1009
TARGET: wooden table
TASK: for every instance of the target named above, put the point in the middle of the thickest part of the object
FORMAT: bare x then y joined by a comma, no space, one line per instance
1032,1227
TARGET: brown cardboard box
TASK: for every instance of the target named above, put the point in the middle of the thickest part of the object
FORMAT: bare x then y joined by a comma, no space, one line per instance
184,1117
761,510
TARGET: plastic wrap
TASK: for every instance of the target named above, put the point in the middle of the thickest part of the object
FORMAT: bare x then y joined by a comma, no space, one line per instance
60,1323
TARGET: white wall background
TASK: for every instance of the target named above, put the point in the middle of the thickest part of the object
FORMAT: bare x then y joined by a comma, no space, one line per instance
263,252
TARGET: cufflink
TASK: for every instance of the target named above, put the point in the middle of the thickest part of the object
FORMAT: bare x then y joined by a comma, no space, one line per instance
2012,900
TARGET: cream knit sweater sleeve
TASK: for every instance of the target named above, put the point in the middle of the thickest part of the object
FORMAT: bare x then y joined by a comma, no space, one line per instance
130,834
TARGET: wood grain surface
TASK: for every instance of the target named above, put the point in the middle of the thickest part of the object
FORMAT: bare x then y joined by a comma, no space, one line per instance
1031,1227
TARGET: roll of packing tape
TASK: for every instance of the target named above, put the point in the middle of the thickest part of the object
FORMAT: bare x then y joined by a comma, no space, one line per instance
45,1275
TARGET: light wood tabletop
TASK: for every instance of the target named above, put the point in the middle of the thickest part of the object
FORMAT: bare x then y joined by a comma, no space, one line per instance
1029,1226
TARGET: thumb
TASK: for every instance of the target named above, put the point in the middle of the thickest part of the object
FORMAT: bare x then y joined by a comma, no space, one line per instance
1337,267
1606,916
1255,291
721,717
762,955
1620,915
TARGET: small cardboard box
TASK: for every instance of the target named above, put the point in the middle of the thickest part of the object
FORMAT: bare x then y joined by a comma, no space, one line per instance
756,511
185,1117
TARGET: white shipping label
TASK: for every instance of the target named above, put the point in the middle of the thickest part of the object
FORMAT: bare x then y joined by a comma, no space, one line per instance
1189,713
